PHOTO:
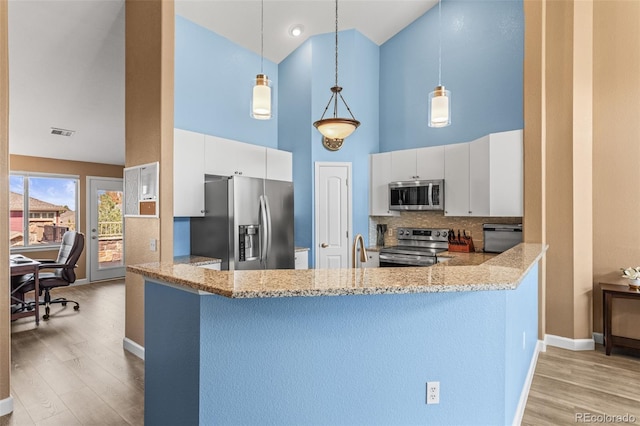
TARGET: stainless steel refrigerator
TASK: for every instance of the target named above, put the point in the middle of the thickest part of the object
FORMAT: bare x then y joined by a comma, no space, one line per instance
248,223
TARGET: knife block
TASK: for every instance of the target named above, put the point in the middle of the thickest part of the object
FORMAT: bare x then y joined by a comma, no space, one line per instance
463,245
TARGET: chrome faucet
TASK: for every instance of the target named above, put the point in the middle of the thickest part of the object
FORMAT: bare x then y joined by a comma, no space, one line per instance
363,251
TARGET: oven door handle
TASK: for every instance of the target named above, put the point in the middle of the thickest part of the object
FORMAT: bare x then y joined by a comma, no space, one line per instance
408,260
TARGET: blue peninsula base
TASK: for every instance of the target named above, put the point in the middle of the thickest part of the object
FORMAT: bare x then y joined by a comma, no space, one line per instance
337,360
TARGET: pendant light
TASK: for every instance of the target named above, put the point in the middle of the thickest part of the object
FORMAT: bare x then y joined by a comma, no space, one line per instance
440,98
335,130
261,99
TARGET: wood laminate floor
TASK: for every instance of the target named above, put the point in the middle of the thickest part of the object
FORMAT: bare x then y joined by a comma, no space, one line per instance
570,387
72,370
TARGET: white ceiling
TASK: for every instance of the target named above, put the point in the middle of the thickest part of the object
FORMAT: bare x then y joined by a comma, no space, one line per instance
66,60
239,20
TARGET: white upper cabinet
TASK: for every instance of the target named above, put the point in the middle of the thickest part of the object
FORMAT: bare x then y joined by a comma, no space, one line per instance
279,165
379,178
188,173
485,177
403,165
422,163
456,179
225,157
507,181
430,163
196,155
479,177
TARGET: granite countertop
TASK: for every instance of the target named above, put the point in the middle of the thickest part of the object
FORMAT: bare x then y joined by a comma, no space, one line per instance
466,259
501,272
195,260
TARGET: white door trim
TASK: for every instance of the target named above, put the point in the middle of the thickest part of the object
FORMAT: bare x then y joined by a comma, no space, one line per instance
316,213
87,245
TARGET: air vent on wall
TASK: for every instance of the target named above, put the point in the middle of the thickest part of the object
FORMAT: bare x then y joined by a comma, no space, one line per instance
62,132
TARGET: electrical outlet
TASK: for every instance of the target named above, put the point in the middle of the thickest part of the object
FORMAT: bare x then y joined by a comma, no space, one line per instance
391,232
524,339
433,392
152,244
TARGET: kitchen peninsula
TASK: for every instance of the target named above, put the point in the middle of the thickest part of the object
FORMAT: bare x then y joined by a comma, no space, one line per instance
240,348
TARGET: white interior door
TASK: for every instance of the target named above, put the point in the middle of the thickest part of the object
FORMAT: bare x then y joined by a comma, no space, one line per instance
332,214
105,239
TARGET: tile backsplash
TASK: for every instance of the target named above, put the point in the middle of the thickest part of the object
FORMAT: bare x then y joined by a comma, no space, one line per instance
435,219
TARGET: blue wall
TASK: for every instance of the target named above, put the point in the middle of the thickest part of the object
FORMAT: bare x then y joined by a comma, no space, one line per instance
213,84
306,77
482,65
521,332
295,133
341,360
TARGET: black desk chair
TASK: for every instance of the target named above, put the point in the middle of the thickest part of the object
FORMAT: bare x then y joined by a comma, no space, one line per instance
62,274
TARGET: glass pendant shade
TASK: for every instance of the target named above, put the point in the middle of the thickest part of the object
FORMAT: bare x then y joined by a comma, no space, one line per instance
261,99
336,128
439,107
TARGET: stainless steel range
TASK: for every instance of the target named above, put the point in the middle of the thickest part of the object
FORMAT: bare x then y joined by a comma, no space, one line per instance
416,247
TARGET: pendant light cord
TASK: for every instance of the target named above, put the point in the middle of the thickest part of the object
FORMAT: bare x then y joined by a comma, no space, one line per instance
439,42
261,36
336,42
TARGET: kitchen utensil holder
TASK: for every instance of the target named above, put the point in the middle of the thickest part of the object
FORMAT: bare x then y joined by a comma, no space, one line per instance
462,245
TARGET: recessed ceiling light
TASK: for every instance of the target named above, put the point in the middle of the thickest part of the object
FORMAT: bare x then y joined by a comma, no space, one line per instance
296,30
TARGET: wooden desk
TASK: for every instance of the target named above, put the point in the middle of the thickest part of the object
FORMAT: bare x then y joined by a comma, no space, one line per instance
27,268
609,292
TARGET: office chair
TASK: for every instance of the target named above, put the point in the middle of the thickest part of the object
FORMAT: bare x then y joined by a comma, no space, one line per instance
62,275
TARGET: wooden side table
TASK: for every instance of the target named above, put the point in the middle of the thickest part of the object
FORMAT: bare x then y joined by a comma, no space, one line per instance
609,292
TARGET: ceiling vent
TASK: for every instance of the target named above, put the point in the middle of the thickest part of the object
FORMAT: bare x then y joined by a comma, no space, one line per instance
62,132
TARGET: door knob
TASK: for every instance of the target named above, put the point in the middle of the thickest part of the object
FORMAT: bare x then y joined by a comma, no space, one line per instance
324,245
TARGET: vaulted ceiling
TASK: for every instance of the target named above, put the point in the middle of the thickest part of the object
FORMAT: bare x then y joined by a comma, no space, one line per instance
66,60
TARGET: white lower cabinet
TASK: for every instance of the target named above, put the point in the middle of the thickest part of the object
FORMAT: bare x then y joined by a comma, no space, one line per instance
373,260
302,259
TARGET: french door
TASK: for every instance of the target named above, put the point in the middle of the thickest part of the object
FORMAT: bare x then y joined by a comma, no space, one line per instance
105,239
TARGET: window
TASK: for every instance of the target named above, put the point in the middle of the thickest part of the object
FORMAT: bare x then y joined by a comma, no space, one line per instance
41,208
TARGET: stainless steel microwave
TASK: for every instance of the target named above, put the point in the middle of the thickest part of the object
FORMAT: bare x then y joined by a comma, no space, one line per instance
416,195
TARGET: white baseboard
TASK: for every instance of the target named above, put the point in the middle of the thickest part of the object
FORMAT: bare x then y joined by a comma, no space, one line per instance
131,346
598,338
6,406
524,395
570,344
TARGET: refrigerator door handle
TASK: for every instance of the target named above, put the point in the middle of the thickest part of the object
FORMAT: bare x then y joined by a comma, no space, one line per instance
269,229
263,230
